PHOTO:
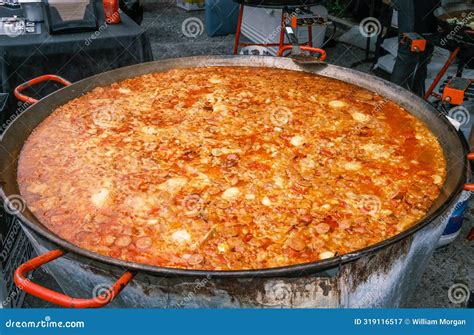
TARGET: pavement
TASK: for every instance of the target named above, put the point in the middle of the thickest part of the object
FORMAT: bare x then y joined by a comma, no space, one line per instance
453,264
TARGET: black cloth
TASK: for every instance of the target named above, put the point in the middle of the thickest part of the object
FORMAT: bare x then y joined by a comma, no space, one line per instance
133,9
410,67
425,21
71,56
416,16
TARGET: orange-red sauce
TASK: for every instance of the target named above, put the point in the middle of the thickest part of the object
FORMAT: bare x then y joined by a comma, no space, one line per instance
229,168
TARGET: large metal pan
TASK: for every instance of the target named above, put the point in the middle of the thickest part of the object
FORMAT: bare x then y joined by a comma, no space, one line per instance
383,274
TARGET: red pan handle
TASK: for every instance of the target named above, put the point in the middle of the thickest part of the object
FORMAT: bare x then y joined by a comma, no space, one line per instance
321,52
469,187
35,81
60,299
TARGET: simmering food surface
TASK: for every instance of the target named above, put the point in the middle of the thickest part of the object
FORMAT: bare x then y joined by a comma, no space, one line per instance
229,168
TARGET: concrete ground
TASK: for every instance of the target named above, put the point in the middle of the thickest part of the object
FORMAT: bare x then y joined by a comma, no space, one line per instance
449,265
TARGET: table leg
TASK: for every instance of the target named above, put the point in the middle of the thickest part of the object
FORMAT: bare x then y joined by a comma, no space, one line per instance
282,31
441,73
237,33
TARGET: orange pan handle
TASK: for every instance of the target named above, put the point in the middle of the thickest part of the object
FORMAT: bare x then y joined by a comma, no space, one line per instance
469,187
25,284
35,81
321,52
